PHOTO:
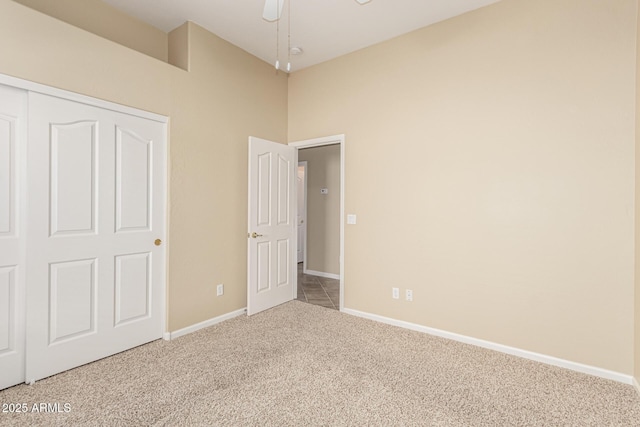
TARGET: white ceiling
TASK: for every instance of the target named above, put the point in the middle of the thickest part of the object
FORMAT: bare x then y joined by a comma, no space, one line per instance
324,29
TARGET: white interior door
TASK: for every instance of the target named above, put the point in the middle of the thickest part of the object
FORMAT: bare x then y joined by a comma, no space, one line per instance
301,185
96,204
272,211
13,115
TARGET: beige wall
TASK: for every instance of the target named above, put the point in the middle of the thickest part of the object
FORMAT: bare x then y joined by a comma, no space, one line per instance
500,145
227,96
178,54
323,210
106,21
637,210
39,48
490,161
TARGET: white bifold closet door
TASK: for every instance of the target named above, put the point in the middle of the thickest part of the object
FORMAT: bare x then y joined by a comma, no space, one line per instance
13,110
96,218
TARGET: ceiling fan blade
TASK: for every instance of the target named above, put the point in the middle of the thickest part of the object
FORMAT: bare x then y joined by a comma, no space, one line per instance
272,10
363,1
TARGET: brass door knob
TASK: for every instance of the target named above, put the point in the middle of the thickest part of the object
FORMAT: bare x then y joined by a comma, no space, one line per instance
255,235
158,242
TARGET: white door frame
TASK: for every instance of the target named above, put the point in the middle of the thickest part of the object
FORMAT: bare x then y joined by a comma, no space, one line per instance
318,142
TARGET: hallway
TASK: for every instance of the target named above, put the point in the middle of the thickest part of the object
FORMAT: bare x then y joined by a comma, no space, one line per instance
318,290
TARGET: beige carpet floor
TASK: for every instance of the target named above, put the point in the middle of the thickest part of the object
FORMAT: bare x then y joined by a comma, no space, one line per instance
299,365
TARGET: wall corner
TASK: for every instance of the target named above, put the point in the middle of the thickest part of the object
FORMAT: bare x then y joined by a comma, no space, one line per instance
179,47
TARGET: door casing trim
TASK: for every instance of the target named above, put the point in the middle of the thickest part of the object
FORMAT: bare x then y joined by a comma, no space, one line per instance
319,142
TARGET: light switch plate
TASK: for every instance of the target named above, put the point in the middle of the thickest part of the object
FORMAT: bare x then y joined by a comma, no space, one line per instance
351,219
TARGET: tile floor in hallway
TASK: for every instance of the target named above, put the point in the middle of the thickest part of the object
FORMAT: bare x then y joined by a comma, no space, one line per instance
318,290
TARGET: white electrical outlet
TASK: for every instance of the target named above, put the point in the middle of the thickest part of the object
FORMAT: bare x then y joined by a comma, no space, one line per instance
409,295
220,289
395,293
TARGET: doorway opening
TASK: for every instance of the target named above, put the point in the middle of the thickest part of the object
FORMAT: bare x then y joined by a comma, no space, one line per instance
301,220
320,221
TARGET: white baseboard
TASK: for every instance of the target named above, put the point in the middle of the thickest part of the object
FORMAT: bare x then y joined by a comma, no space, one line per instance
322,274
549,360
193,328
635,384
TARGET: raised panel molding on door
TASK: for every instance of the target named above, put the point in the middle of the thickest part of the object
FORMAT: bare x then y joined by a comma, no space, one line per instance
7,309
8,127
133,287
263,189
73,186
134,186
96,279
72,299
13,111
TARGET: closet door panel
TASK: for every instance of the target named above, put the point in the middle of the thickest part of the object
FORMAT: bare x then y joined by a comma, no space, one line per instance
96,198
8,126
7,309
73,177
13,103
134,162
